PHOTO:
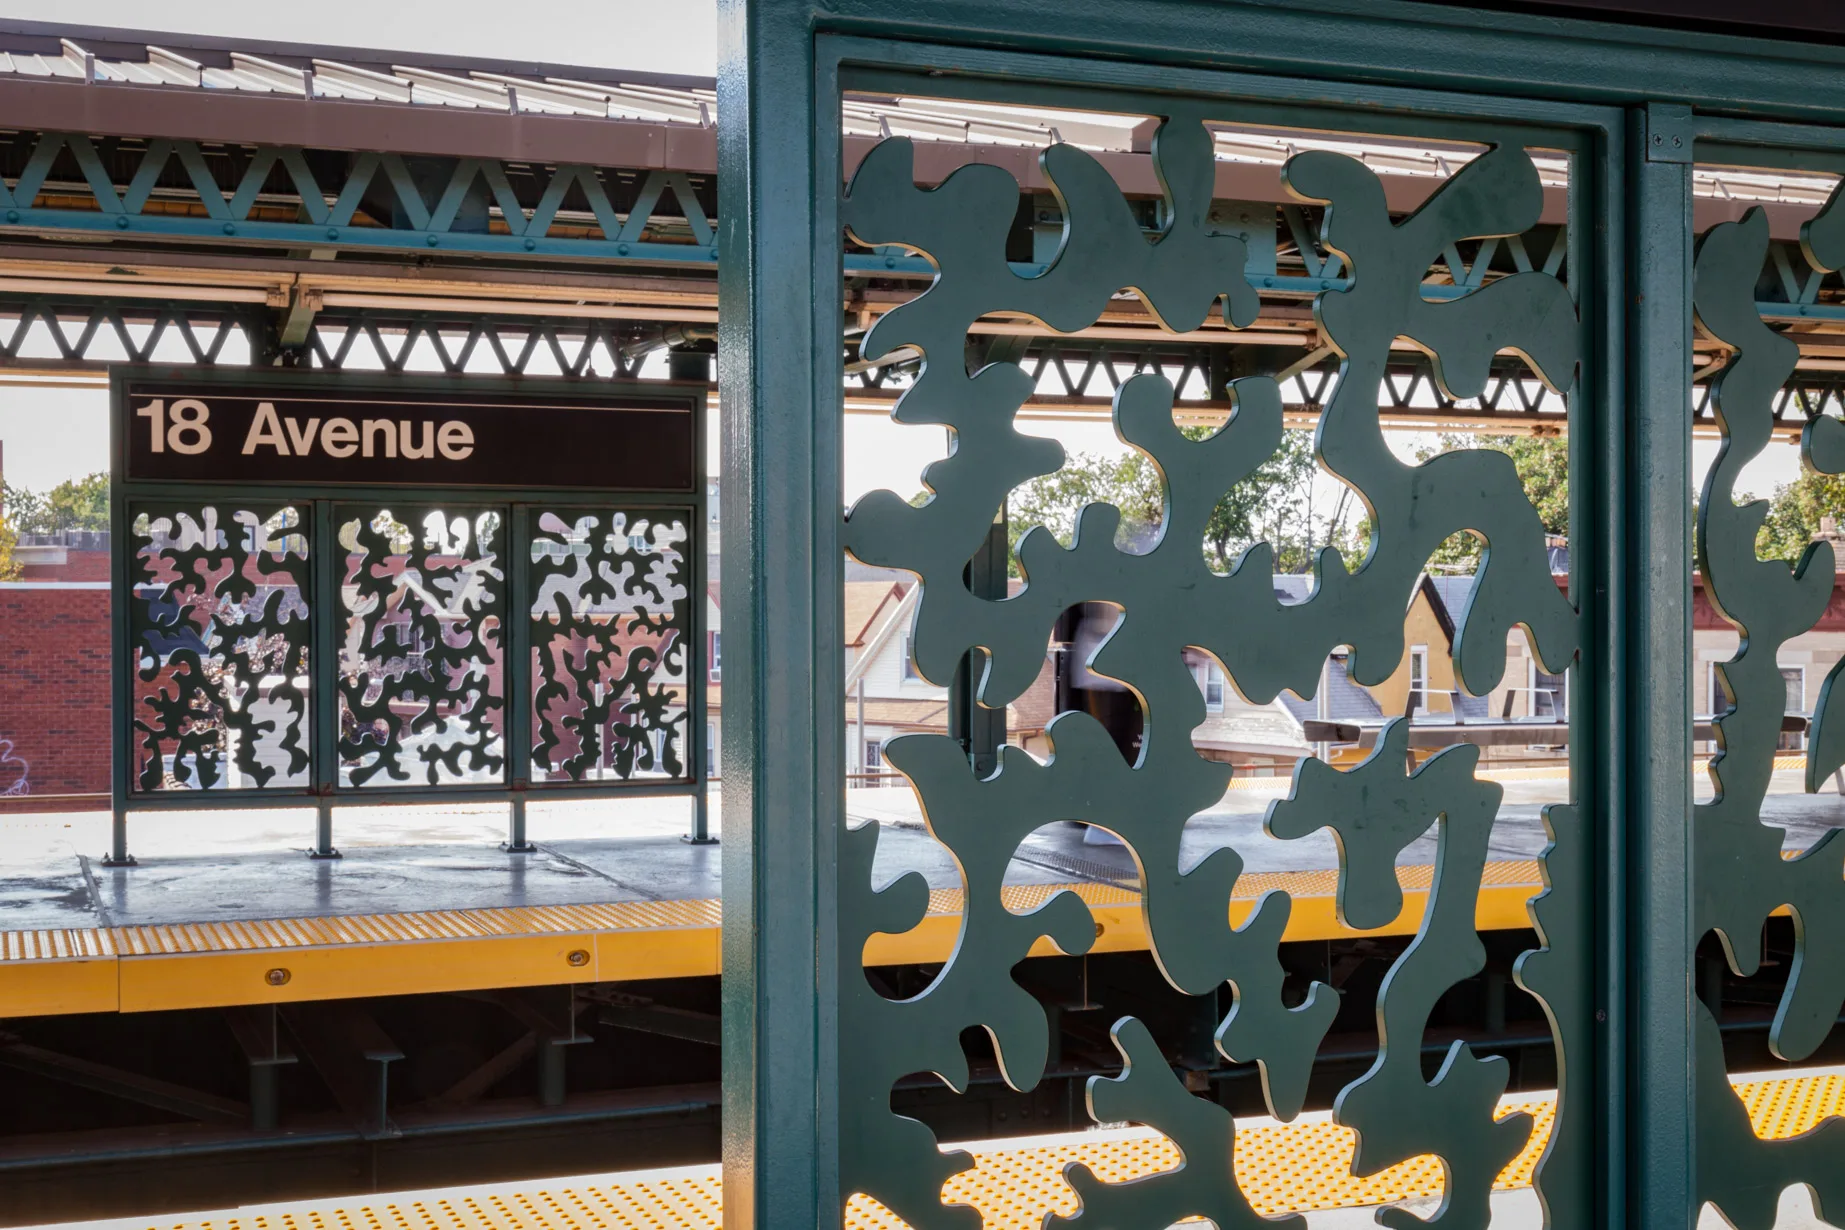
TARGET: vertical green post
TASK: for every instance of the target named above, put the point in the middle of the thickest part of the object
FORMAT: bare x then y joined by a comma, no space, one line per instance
1660,1179
783,778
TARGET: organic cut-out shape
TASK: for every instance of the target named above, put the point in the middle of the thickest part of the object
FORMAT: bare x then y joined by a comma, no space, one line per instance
610,620
1202,1185
1170,606
1739,874
218,630
422,688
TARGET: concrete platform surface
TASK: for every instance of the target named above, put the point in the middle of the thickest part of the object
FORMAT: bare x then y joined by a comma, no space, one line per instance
249,865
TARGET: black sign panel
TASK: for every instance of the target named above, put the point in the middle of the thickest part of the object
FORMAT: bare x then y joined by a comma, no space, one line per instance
342,432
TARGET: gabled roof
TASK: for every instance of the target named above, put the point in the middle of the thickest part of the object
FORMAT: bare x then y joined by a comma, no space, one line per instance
867,607
1347,701
1425,584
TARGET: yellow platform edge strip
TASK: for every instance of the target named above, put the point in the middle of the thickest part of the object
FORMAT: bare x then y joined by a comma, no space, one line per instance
1281,1168
209,965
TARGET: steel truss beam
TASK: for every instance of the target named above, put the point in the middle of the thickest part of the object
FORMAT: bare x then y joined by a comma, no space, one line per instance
48,336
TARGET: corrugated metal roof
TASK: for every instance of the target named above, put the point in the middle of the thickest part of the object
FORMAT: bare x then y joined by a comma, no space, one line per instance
414,80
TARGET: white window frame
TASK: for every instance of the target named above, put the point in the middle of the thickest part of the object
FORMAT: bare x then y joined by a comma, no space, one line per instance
1799,739
1210,675
1417,698
909,659
714,669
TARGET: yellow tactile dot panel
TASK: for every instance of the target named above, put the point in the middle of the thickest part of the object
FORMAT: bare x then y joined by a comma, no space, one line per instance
1282,1168
1296,1167
1779,1109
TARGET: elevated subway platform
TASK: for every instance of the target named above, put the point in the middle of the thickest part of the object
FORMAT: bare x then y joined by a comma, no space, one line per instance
424,901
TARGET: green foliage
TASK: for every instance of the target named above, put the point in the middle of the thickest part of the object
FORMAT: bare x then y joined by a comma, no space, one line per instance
1543,465
1794,513
75,504
9,538
1273,505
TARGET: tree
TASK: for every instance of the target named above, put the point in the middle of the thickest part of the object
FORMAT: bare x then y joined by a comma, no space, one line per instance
75,504
1543,465
10,568
1274,505
1794,512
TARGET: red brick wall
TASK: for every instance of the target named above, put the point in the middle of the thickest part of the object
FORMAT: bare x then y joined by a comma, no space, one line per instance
54,696
77,566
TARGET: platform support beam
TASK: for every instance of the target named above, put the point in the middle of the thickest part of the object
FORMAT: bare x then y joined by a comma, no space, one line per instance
1659,949
783,802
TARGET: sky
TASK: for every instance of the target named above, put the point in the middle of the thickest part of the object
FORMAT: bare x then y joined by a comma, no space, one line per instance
675,37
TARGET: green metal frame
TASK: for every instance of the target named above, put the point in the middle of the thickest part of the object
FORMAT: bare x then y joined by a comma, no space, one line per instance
1634,90
323,791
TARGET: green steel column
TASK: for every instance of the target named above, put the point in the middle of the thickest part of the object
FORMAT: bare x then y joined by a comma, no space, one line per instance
784,719
1660,1151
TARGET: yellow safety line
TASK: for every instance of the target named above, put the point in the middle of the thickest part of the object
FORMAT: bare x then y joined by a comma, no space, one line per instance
1282,1168
217,964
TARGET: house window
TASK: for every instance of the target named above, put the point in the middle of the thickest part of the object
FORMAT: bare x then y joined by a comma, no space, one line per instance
1795,679
714,656
638,544
1418,679
874,756
909,658
710,749
1211,683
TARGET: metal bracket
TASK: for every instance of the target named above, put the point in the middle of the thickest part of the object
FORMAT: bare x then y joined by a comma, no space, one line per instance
1669,134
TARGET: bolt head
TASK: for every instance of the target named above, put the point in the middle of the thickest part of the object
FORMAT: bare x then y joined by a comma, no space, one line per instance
333,232
121,222
230,228
432,240
12,215
578,958
277,977
621,249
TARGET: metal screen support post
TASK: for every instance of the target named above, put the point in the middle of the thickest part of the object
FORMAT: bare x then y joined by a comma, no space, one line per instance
701,819
516,842
118,855
1661,1177
979,730
323,830
778,360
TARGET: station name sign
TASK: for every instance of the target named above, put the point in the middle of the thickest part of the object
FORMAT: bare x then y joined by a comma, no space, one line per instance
289,434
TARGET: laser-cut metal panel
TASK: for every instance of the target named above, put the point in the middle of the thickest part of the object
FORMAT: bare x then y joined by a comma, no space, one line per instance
422,690
1169,602
610,607
219,628
1740,874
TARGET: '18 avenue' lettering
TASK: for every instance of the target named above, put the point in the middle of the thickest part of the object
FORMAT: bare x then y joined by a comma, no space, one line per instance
341,437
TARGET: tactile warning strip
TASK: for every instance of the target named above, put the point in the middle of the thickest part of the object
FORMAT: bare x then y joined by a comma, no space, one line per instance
217,964
1296,1167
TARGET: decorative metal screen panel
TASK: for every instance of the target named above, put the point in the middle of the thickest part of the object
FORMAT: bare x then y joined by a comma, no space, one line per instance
219,633
1170,602
1749,864
610,608
422,689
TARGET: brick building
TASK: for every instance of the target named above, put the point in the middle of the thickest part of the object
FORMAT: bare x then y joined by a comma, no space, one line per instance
54,695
